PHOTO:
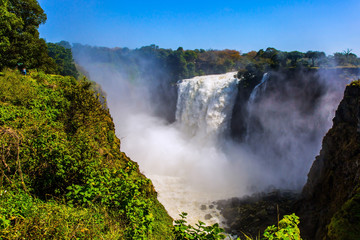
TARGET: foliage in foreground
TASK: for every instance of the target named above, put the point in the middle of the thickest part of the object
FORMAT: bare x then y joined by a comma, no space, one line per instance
23,216
287,229
182,230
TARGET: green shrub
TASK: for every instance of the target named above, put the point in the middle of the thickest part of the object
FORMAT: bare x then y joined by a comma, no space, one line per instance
287,229
345,224
25,217
182,230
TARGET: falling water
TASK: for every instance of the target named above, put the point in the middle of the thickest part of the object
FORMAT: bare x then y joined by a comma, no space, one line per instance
205,104
256,92
261,87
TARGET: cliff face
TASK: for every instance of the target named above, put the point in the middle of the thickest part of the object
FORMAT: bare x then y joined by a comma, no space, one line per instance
330,205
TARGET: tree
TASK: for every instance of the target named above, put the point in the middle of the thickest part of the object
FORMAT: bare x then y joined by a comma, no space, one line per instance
191,69
314,55
9,23
251,54
30,12
177,65
277,57
346,57
19,36
63,58
294,56
190,56
67,45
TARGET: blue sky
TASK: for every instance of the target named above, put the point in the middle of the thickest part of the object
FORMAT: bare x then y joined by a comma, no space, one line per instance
329,26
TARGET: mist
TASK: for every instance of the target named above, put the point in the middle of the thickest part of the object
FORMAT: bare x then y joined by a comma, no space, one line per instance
192,159
289,114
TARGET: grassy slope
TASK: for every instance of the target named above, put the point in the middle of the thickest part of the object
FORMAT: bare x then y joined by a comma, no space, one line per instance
62,172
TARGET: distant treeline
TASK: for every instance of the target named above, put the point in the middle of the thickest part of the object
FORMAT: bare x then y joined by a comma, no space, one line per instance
180,63
161,68
275,59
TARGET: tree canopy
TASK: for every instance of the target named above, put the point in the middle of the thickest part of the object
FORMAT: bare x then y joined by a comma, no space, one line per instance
63,58
19,36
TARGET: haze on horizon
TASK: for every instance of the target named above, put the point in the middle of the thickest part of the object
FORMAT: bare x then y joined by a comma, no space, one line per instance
323,25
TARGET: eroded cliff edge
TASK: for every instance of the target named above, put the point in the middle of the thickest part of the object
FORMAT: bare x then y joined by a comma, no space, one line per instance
330,204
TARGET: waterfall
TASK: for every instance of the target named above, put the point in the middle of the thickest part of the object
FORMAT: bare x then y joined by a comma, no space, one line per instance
205,104
261,87
256,93
203,114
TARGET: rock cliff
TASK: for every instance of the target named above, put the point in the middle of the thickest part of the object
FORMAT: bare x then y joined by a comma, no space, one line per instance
330,204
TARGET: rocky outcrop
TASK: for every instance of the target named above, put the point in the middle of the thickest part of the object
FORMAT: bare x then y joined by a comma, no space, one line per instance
330,204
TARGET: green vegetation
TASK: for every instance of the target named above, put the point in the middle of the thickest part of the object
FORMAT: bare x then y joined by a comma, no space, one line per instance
182,230
63,58
23,216
287,229
59,154
345,224
180,63
355,83
175,64
19,36
275,59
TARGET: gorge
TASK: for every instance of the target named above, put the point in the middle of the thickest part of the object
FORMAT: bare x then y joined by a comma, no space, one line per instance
226,141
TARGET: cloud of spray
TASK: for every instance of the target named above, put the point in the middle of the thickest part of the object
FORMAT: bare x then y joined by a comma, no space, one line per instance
287,121
285,133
